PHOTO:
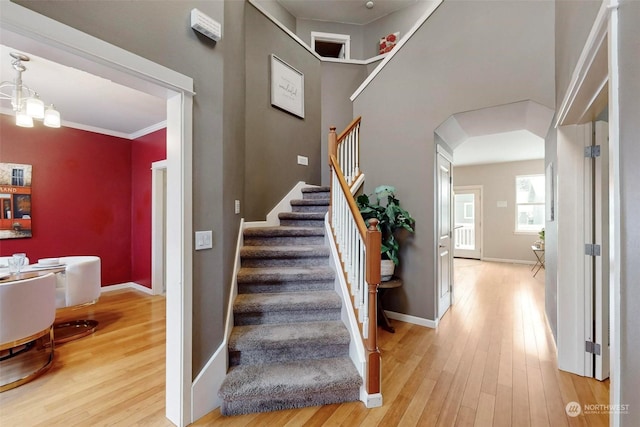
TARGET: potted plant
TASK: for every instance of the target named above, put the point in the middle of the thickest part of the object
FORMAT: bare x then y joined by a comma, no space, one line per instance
541,234
385,207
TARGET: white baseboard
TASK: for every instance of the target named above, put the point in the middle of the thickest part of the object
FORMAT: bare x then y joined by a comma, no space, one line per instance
127,285
204,390
283,205
509,261
370,400
412,319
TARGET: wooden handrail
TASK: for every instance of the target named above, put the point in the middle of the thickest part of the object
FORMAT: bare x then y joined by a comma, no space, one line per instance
348,129
359,256
353,207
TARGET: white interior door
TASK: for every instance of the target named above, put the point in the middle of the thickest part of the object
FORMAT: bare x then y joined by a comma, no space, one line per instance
444,254
601,237
467,222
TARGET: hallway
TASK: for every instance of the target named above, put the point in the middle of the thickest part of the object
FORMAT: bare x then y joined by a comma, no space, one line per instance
490,362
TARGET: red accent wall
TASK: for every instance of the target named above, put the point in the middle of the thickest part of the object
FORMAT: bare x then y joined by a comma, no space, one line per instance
144,151
81,195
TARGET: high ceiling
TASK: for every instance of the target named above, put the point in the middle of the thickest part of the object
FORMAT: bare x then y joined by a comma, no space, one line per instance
345,11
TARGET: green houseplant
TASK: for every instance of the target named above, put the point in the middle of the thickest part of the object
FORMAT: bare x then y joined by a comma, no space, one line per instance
385,207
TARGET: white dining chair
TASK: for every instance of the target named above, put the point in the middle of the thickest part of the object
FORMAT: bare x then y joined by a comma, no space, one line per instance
27,314
78,285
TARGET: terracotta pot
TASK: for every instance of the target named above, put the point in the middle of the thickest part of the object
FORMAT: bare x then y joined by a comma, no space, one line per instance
387,267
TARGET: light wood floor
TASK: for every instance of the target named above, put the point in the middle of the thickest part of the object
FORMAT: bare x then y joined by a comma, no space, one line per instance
490,362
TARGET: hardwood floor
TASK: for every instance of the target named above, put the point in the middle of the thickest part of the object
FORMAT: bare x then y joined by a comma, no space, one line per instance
490,362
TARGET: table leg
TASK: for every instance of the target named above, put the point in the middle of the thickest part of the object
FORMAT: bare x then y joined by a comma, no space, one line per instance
383,320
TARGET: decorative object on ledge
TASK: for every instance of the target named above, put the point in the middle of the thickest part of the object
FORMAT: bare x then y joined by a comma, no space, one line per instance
15,201
388,42
287,87
386,209
25,101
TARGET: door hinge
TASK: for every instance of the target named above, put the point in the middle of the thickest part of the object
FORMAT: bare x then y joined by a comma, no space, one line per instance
592,347
592,249
592,151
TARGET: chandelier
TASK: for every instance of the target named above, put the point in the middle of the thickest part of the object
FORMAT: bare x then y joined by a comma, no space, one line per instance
26,103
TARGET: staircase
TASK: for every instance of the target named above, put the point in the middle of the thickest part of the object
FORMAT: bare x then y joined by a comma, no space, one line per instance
288,347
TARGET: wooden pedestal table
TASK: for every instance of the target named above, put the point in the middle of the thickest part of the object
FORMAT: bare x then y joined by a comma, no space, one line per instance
383,288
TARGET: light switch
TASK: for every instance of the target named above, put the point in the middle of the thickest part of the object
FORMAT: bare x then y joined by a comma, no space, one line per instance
302,160
204,240
237,206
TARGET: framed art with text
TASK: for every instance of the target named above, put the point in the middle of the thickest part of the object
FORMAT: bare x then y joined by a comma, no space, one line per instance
287,87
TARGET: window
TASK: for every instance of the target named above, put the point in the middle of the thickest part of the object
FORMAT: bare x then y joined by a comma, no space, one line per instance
330,45
17,177
530,203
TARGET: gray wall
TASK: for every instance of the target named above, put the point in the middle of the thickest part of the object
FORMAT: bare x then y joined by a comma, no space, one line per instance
574,21
339,81
402,21
498,224
279,13
469,55
629,102
166,38
275,138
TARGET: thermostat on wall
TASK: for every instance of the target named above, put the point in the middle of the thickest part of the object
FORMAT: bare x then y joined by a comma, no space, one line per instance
206,25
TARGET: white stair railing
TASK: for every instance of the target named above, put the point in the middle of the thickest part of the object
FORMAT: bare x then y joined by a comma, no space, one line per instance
346,147
359,252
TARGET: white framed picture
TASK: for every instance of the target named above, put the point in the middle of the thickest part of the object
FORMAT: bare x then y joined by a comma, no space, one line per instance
287,87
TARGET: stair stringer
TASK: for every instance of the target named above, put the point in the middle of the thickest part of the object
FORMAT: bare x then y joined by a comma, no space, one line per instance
211,377
348,317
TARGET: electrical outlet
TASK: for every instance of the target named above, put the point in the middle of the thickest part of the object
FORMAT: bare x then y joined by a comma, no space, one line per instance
302,160
204,240
237,206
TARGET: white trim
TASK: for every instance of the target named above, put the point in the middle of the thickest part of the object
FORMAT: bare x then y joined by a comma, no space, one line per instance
615,372
126,285
348,317
433,324
308,48
109,61
371,400
509,261
148,130
585,61
343,39
158,226
283,205
395,50
207,383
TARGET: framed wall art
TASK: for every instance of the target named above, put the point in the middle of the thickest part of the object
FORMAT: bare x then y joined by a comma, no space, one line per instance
15,200
287,87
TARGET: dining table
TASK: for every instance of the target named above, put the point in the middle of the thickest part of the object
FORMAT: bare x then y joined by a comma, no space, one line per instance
28,272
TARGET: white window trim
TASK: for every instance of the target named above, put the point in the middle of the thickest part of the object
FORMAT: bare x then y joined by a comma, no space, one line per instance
344,39
516,230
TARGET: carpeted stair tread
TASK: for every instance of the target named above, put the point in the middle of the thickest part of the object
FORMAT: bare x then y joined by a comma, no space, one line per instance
283,231
250,337
318,189
287,301
284,251
302,215
284,274
310,202
260,388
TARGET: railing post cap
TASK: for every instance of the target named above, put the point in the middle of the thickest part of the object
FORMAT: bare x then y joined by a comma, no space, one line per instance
373,224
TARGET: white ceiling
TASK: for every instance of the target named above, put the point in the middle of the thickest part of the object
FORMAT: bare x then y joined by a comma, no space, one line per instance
345,11
503,133
86,101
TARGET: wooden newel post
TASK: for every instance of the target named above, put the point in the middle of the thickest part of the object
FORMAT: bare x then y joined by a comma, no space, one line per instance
333,143
373,244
